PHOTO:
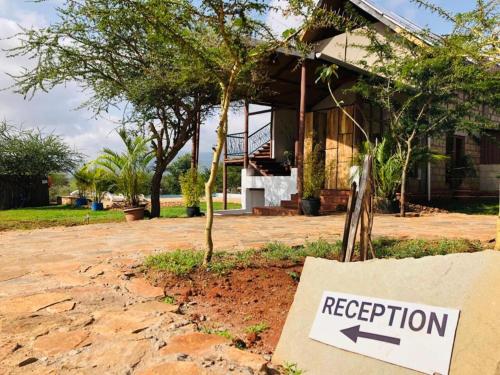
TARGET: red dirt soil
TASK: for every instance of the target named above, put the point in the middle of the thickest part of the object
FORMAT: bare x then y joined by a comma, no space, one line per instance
242,298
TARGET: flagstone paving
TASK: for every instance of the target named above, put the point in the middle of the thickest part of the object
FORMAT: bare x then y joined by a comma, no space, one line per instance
72,299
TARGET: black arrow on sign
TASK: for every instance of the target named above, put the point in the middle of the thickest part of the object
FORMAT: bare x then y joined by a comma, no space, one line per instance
353,333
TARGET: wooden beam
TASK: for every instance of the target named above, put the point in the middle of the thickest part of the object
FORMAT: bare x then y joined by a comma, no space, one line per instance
259,112
290,82
245,138
353,227
302,121
224,179
348,219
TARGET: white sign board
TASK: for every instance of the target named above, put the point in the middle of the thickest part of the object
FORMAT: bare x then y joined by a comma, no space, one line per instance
416,336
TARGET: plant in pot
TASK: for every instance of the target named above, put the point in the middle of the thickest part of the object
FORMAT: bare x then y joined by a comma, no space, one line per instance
98,182
287,160
314,177
192,189
129,171
83,183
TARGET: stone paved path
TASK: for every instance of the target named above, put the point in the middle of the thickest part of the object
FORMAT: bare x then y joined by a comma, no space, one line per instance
72,299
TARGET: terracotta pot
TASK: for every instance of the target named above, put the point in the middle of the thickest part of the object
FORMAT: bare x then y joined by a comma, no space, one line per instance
134,213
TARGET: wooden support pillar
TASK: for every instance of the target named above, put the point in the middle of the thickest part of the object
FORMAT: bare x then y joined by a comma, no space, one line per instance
224,179
299,159
245,138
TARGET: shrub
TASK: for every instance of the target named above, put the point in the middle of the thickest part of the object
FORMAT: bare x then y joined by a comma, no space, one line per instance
314,174
191,187
322,249
257,328
390,248
178,262
280,251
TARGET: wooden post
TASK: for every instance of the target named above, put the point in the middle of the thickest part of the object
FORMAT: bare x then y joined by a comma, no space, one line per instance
350,208
353,227
245,138
224,179
302,121
364,238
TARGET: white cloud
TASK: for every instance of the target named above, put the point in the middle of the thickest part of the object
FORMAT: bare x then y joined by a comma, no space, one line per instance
277,19
54,111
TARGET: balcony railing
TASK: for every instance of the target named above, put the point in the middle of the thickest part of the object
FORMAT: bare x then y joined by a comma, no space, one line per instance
235,142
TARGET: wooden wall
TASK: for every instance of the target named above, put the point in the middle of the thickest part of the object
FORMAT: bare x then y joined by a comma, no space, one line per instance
26,191
341,144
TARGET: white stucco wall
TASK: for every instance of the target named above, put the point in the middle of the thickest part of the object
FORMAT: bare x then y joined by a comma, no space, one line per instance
275,189
488,180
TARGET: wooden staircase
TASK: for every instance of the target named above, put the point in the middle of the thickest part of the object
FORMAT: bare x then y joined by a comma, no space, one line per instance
265,165
331,201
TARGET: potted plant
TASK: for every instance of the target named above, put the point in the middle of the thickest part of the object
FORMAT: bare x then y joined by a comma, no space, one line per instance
82,180
287,160
191,189
314,177
129,171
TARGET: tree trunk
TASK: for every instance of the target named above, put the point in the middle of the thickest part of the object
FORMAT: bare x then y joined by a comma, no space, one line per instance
402,200
209,186
155,192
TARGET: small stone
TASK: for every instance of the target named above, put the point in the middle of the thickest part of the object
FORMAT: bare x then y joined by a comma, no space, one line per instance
159,344
182,357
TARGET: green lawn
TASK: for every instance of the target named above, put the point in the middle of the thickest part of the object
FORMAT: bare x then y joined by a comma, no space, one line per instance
476,206
43,217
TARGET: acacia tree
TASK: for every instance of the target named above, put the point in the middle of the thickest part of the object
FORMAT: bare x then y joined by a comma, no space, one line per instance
230,39
120,52
429,85
29,152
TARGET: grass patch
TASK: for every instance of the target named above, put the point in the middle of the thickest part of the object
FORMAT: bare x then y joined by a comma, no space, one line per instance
318,249
475,206
178,262
390,248
291,369
51,216
257,328
219,332
183,262
169,300
222,263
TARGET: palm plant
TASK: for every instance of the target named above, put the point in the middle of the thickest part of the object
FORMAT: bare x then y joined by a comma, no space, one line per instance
93,179
130,170
387,169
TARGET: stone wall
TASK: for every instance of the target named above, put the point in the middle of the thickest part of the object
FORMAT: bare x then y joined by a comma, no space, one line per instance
489,177
438,169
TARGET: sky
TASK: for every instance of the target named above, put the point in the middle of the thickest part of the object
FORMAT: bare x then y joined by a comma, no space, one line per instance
57,111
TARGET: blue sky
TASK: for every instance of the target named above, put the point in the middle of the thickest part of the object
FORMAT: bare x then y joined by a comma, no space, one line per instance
56,111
